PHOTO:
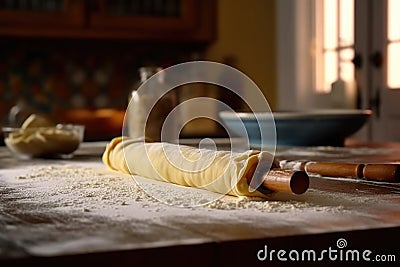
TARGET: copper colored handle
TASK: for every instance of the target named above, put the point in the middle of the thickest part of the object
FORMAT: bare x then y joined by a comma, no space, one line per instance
334,169
382,172
280,180
374,172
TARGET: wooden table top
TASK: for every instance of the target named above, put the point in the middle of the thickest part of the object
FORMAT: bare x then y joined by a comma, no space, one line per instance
69,219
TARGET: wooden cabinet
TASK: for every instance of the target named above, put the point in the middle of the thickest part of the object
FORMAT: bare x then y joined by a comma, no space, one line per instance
17,17
153,19
180,20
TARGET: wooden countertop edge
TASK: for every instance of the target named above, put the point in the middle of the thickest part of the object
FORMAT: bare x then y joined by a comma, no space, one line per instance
225,253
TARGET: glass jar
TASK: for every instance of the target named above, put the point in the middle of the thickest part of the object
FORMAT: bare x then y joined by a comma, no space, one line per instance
20,112
149,107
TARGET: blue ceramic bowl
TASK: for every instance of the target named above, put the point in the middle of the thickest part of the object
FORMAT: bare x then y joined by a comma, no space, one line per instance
297,128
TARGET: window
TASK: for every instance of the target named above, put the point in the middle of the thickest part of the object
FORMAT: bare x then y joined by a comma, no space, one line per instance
334,47
393,44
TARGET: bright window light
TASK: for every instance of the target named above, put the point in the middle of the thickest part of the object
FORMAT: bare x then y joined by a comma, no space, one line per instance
393,49
393,66
346,64
393,7
346,14
330,24
331,68
334,43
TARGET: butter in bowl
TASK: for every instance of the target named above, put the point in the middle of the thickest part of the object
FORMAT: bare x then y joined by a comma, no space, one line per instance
40,138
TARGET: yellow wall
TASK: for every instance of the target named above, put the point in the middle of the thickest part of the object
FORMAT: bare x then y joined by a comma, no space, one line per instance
246,31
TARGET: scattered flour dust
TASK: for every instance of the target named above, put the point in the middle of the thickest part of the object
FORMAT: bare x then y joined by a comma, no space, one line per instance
87,189
84,186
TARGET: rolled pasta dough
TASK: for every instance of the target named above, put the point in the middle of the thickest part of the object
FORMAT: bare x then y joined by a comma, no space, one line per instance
222,172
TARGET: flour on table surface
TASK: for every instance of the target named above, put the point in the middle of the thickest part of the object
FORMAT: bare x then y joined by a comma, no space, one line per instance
93,188
56,207
63,208
81,187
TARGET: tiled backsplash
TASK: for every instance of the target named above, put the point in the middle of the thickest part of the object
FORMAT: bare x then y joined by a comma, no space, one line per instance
59,74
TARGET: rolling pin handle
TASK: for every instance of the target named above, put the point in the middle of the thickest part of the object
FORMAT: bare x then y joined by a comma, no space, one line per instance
290,181
279,180
382,172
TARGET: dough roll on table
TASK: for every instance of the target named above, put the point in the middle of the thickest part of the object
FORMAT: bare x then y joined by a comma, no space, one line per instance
223,172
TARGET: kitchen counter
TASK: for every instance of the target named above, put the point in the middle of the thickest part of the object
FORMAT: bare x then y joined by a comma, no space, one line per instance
74,211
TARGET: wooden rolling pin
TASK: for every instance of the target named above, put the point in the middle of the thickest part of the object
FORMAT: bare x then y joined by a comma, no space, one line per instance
280,180
374,172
